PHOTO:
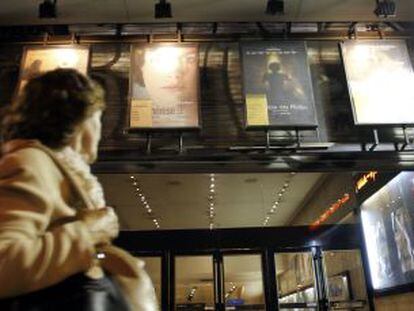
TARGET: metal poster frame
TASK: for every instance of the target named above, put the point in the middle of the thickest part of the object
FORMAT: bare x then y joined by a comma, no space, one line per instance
28,48
348,79
298,126
147,129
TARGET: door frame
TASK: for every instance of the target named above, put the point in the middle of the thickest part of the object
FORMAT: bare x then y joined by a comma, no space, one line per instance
267,242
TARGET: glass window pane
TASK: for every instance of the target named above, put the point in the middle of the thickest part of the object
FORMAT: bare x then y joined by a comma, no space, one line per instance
345,278
194,286
153,268
295,281
243,282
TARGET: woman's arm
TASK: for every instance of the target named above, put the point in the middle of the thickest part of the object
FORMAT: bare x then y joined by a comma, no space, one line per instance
32,256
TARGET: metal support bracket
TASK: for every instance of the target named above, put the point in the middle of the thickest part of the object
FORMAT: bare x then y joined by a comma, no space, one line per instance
148,143
375,144
181,143
407,140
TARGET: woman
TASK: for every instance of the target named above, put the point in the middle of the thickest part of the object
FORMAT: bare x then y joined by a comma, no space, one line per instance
164,79
55,228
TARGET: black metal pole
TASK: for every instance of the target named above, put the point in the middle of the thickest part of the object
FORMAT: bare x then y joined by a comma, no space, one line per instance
165,280
269,280
320,279
170,283
218,281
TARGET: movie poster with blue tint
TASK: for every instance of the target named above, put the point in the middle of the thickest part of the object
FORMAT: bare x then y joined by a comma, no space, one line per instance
277,85
388,223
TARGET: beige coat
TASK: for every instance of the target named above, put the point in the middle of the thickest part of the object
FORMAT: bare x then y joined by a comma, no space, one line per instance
41,241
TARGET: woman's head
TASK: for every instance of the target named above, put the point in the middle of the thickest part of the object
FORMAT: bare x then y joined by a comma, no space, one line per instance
53,108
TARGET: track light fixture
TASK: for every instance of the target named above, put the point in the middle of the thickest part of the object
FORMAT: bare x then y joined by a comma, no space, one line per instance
385,8
275,7
47,9
163,9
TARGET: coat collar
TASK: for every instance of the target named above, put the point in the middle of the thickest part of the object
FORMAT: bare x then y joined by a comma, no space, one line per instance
17,144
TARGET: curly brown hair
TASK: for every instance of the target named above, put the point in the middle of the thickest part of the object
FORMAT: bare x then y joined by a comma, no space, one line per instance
51,106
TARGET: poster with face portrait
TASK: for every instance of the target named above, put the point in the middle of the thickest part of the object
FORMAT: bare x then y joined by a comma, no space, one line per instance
164,86
277,85
388,223
380,81
40,59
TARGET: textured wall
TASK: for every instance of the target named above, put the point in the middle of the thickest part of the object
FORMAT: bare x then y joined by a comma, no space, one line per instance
222,105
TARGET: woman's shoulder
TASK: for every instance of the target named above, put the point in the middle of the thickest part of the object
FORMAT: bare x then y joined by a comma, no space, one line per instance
27,158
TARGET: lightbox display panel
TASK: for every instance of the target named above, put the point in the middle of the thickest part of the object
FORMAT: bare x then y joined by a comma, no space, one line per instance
388,223
380,81
277,85
40,59
164,86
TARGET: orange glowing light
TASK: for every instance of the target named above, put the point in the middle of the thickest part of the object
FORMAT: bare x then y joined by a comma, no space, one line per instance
330,211
365,179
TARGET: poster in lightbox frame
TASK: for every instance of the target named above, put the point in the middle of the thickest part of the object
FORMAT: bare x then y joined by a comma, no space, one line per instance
40,59
388,226
380,80
277,85
164,87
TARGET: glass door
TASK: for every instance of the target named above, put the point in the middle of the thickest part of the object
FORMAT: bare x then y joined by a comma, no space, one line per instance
243,282
194,283
345,280
295,276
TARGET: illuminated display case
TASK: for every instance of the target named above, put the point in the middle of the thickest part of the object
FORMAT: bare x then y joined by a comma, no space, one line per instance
387,219
380,80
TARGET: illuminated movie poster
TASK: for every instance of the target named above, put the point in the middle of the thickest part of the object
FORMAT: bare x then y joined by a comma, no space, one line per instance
164,86
277,85
387,219
380,81
37,60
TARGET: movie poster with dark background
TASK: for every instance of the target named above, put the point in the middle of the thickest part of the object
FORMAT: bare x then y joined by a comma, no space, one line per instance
277,85
388,223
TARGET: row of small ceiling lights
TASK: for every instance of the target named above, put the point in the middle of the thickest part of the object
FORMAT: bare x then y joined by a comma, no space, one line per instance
211,200
144,202
278,198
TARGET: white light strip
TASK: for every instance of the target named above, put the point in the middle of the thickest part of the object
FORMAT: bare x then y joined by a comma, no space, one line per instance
144,202
278,199
211,200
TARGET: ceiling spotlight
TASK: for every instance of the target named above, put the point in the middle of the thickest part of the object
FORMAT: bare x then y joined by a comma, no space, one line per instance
163,9
275,7
47,9
385,8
